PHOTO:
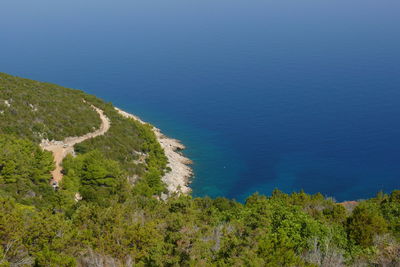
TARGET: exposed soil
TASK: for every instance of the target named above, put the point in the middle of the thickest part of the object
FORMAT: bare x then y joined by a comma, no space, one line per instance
61,149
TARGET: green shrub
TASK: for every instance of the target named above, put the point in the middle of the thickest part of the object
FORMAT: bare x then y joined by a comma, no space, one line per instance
365,223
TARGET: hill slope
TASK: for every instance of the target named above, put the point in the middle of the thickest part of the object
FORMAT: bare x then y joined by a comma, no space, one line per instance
118,223
37,111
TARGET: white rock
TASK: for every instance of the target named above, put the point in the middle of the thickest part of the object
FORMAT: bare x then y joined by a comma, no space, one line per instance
177,179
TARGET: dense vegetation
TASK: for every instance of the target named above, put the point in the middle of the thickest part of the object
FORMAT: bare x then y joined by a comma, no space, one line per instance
120,223
115,226
25,170
125,142
37,110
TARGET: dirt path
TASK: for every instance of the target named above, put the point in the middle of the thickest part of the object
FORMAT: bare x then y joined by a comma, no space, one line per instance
61,149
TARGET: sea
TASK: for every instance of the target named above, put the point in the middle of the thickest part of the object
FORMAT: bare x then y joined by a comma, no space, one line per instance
265,94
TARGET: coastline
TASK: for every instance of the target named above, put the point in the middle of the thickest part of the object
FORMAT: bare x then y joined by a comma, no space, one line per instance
178,179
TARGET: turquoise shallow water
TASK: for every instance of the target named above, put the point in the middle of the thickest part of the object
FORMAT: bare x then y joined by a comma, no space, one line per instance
264,94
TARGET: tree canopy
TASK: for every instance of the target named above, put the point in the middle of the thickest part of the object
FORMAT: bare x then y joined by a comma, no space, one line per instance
99,217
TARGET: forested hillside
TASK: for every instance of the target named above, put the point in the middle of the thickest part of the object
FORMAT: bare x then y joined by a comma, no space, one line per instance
100,217
39,110
36,110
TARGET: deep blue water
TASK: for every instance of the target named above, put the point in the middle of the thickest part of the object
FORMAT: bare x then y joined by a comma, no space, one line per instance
265,94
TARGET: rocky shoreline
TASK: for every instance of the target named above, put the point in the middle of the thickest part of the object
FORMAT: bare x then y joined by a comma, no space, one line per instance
178,179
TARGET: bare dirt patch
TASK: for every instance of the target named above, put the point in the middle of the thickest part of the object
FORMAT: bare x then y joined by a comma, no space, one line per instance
61,149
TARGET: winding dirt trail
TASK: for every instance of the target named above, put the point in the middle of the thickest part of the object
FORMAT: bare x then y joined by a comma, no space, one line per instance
61,149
